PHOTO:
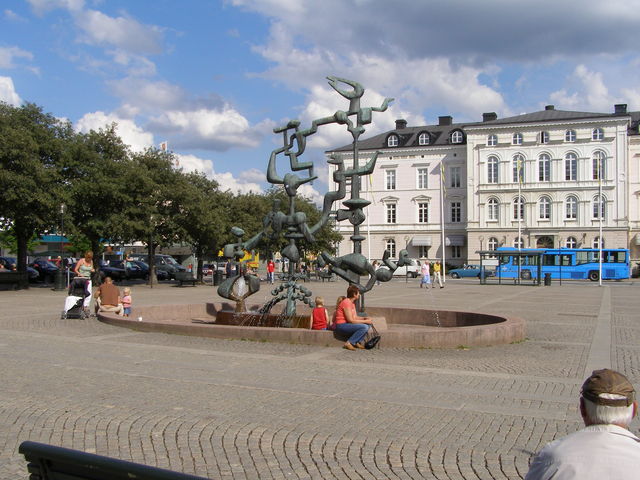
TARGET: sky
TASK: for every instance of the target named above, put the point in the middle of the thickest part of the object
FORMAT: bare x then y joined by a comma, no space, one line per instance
213,78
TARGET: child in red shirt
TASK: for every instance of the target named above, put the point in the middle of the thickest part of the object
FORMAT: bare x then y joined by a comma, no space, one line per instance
319,315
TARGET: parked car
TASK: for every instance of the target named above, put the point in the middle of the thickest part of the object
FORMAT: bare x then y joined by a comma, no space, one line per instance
144,267
413,270
109,270
470,271
46,269
131,269
10,263
208,269
163,262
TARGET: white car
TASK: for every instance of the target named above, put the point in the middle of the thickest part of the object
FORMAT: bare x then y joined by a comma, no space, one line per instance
412,270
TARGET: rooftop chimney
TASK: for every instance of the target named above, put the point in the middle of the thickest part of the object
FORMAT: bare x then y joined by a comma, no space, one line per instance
400,124
445,120
489,116
620,108
549,107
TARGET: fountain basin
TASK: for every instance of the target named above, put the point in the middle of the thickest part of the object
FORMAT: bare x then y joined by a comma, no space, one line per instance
399,327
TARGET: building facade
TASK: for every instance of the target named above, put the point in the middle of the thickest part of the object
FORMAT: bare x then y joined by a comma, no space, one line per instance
551,178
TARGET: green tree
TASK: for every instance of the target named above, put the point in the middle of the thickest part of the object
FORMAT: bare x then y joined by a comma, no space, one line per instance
99,191
154,203
33,145
203,216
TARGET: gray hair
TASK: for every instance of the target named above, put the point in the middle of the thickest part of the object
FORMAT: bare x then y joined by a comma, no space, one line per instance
606,415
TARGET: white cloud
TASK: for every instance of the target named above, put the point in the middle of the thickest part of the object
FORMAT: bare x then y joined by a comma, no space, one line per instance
253,175
227,181
417,83
13,16
587,91
149,95
130,133
311,193
207,129
8,93
122,32
9,54
41,7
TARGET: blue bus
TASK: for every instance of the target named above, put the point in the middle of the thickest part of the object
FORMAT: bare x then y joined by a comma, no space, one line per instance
563,263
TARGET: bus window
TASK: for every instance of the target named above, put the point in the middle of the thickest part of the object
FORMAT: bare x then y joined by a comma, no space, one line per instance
614,257
582,257
551,260
566,260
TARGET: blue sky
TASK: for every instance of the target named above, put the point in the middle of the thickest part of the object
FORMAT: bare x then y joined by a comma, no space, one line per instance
213,78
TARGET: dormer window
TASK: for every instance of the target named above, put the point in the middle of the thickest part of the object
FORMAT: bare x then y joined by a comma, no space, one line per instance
544,137
457,137
423,139
492,140
570,136
517,139
392,141
597,134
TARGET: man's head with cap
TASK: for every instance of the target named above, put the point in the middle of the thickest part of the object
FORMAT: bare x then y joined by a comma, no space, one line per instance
607,397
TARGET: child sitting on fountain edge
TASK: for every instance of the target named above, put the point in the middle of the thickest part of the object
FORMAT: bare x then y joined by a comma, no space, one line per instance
319,315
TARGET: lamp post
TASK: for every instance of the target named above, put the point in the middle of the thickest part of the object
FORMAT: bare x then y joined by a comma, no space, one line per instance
59,284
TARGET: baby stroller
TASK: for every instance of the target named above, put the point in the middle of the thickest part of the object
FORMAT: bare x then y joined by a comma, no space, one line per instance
76,305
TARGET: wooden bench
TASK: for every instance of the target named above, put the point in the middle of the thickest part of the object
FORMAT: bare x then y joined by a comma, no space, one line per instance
48,462
14,280
186,277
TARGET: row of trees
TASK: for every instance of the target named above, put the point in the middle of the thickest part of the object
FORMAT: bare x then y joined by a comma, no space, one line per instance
113,193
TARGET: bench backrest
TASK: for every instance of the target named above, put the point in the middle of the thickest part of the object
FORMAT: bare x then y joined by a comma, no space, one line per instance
184,276
47,462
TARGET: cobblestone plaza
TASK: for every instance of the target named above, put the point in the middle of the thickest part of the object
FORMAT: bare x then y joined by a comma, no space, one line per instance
237,409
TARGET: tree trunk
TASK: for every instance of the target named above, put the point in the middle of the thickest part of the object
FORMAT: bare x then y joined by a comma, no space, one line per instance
152,262
200,254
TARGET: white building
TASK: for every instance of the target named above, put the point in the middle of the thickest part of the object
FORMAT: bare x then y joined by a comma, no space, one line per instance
470,172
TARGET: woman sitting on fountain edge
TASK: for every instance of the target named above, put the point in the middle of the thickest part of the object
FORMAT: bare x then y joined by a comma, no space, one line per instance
348,322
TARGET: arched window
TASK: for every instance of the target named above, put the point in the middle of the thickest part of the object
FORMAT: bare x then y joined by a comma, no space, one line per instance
571,166
518,168
570,136
518,242
392,141
492,169
596,243
492,140
599,165
457,137
544,168
516,139
545,208
571,208
518,208
597,134
599,207
423,139
493,209
390,245
493,243
571,242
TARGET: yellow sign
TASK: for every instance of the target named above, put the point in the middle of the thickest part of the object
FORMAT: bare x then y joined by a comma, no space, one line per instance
253,260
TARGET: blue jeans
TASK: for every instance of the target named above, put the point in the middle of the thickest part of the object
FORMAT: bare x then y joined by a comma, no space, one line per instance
357,331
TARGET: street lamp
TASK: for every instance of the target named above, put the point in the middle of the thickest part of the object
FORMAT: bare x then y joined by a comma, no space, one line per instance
59,280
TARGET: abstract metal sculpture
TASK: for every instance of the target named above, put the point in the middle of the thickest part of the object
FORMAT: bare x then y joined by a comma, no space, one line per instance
293,224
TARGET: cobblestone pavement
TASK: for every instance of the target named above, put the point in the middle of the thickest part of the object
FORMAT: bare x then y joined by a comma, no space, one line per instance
243,410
